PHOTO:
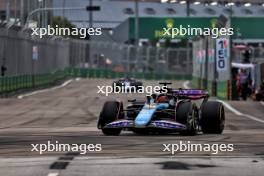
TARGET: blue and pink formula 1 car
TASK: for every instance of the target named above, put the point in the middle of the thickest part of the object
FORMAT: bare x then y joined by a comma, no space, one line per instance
174,111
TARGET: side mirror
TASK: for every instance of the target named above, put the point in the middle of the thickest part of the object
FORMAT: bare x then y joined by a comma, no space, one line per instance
148,99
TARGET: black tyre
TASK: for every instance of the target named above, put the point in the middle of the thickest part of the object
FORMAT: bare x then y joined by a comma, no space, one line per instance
212,117
112,110
140,131
259,97
187,114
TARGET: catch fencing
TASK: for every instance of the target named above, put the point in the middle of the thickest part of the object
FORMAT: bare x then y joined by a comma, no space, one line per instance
17,50
28,61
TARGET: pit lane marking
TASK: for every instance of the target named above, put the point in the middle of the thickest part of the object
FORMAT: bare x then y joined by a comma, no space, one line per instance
45,90
228,106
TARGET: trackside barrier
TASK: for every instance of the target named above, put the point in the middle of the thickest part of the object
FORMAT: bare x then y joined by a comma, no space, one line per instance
104,73
208,73
222,87
14,83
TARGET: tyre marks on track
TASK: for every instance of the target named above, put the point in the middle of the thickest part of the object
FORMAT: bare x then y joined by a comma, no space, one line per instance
62,163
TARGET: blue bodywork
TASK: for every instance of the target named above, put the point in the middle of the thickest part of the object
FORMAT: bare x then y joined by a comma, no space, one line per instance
145,115
144,119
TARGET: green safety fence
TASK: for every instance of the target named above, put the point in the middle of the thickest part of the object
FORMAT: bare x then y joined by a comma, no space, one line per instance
14,83
104,73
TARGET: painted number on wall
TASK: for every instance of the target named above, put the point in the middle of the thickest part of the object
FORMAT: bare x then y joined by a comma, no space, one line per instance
222,53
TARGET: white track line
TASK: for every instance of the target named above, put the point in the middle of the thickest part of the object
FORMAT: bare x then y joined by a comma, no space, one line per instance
45,90
262,102
228,106
253,118
53,174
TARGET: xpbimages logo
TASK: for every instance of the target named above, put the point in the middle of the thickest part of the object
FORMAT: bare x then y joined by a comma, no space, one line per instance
57,31
58,147
177,30
148,90
187,146
195,31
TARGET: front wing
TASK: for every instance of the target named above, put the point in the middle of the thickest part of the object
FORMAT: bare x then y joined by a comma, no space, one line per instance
159,124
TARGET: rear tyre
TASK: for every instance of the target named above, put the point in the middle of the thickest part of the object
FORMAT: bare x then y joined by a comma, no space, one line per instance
187,114
212,117
112,110
258,97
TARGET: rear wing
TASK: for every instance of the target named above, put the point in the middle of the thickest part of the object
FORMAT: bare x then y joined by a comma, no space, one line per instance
193,94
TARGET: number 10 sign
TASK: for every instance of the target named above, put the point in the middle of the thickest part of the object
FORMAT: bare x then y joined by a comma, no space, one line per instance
222,54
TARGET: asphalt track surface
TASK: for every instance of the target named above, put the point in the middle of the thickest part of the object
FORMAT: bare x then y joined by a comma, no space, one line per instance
69,115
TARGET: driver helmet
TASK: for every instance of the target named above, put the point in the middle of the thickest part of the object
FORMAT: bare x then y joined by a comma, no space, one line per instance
162,99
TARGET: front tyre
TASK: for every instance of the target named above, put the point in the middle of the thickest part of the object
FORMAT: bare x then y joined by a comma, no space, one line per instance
187,114
112,110
212,117
111,131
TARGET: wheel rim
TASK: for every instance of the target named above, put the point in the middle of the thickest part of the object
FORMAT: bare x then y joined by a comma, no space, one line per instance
222,117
